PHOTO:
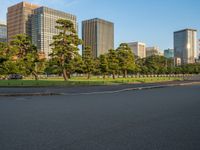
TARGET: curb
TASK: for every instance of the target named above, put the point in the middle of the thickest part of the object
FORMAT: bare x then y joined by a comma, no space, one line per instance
103,92
27,94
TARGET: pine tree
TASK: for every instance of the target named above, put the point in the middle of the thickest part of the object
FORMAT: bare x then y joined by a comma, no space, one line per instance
65,47
126,59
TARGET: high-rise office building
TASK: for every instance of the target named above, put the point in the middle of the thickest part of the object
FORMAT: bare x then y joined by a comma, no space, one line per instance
99,35
3,32
19,19
185,45
150,51
43,27
169,53
138,48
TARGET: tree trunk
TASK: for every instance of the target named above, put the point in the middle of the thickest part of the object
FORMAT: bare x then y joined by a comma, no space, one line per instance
125,73
104,76
65,76
88,76
35,75
113,75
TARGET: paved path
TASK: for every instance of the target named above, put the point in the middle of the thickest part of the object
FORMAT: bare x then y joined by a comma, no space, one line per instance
156,119
78,89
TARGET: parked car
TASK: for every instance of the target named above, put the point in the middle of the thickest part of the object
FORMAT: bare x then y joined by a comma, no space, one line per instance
15,77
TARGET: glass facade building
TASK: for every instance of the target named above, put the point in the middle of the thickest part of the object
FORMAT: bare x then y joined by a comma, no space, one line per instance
99,35
43,27
169,53
185,45
3,33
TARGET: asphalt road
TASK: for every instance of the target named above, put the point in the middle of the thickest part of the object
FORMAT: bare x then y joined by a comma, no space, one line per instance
80,89
156,119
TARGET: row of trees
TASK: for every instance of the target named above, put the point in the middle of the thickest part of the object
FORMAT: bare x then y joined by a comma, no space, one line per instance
20,56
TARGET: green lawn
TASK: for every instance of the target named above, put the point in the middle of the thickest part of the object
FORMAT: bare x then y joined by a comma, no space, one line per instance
83,81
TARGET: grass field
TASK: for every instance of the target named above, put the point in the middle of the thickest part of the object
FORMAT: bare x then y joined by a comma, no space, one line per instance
83,81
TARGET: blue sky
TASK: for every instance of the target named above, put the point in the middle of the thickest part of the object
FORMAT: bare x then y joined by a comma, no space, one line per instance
149,21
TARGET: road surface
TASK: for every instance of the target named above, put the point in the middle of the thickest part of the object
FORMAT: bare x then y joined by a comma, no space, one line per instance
156,119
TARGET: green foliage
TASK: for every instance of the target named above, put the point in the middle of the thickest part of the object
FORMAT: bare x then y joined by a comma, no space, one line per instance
88,61
21,57
113,62
52,66
155,65
65,47
3,58
25,55
103,65
126,59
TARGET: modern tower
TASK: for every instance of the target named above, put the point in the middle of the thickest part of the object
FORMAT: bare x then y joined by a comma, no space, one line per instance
19,19
3,32
43,27
138,48
185,45
99,35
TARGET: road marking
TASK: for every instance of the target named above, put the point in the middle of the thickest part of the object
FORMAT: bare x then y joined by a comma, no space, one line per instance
130,89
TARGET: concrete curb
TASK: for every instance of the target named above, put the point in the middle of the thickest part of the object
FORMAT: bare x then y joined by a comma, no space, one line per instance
27,94
103,92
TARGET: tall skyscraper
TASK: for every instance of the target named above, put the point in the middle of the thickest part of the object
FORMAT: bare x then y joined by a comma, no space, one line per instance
19,19
138,48
169,53
99,35
43,27
3,32
185,45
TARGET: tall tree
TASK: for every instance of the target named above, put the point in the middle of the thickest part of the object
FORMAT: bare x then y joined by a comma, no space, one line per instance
113,62
103,65
25,54
88,61
156,64
126,59
65,47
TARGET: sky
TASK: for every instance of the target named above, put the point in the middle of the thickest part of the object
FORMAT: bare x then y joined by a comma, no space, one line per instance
150,21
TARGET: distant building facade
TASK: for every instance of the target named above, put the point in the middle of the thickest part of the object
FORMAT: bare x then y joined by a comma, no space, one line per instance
138,48
99,35
185,45
3,32
169,53
150,51
198,52
43,27
177,61
19,19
